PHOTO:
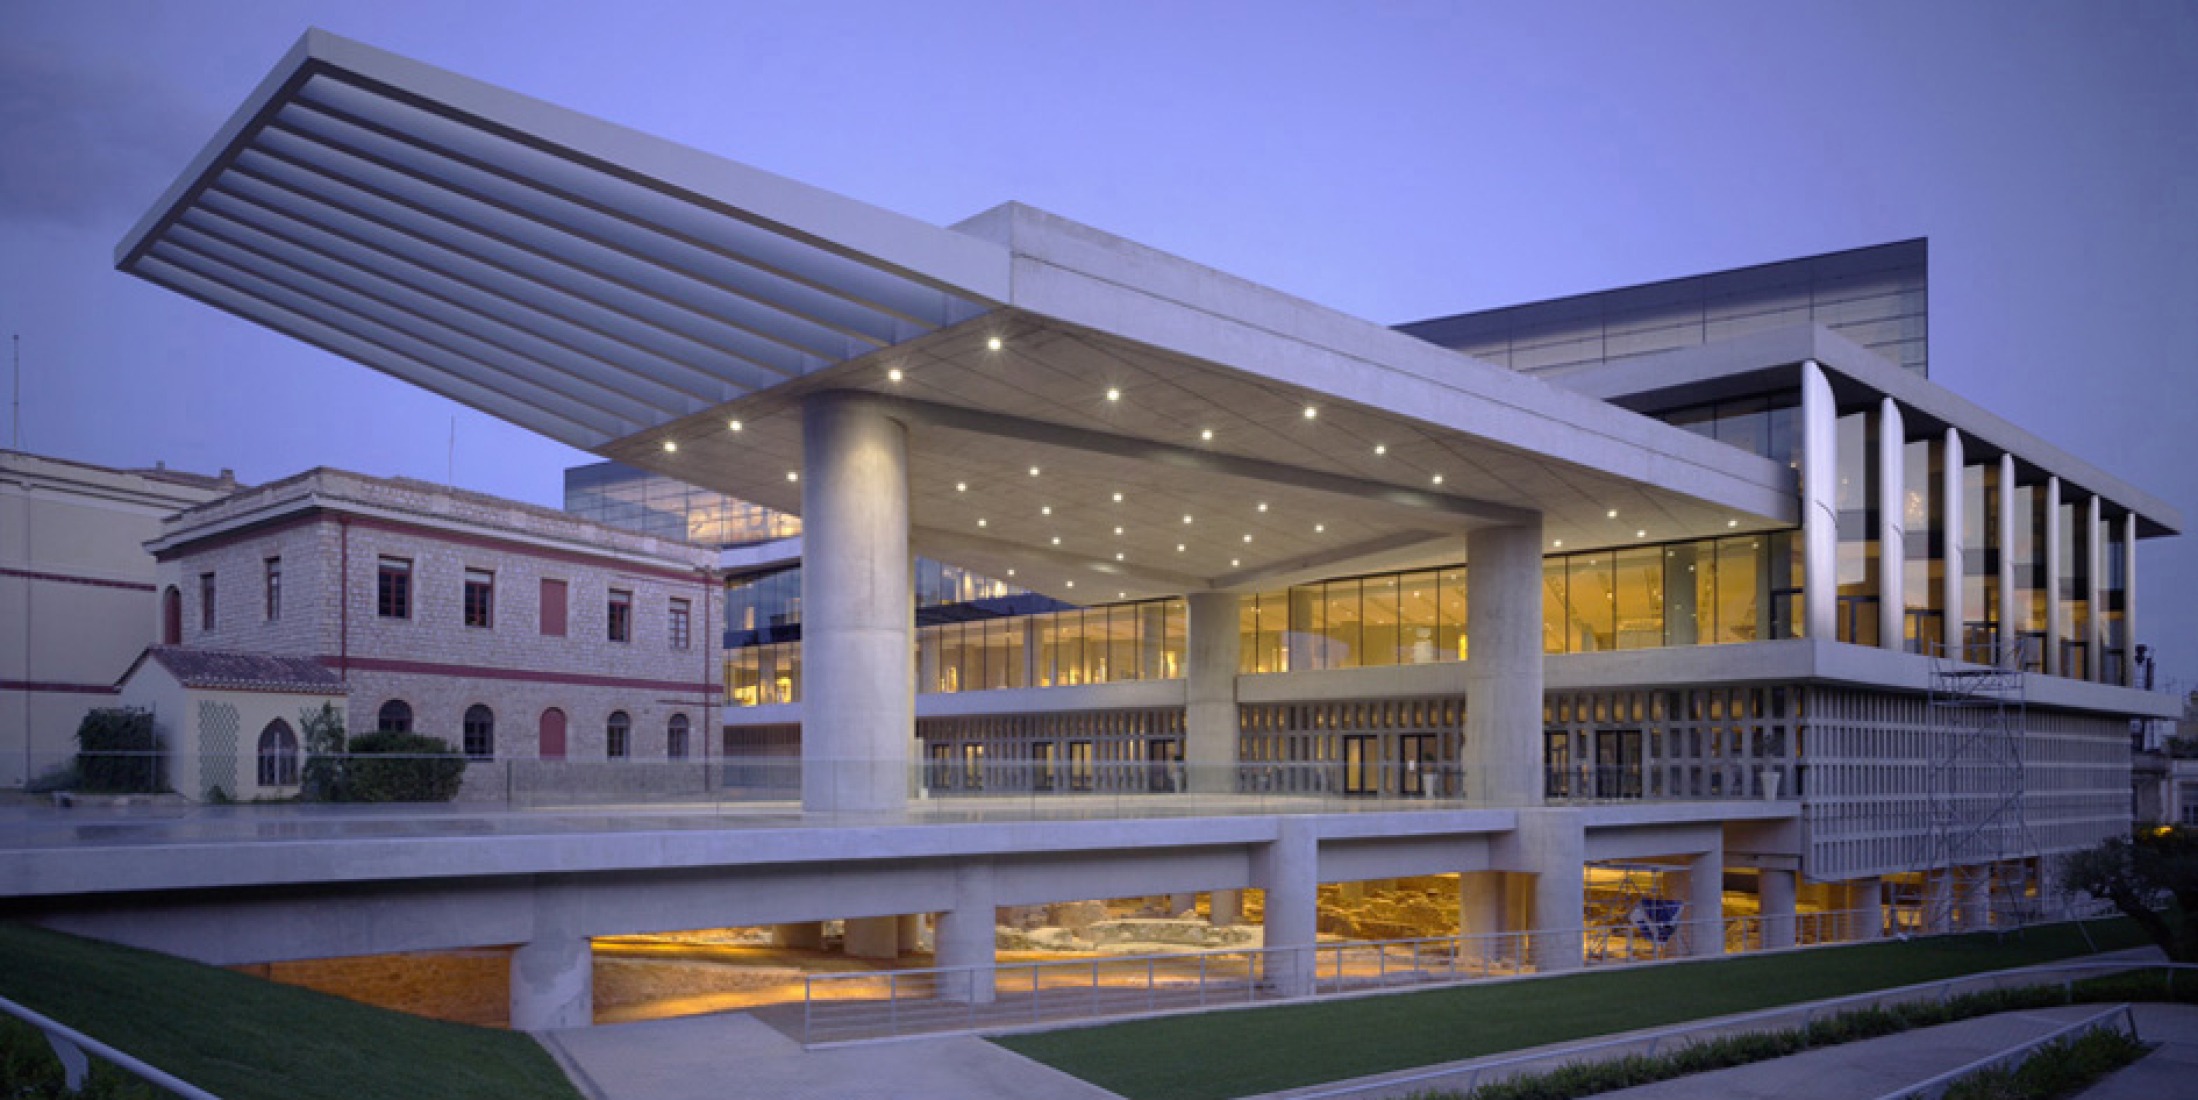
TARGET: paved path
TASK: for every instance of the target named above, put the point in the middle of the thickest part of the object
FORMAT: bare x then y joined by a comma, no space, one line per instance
2170,1071
732,1055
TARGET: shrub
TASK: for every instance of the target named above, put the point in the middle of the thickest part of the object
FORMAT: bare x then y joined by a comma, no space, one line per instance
402,767
60,777
118,752
323,779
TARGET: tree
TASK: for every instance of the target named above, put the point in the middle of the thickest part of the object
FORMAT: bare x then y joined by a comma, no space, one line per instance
2152,877
324,779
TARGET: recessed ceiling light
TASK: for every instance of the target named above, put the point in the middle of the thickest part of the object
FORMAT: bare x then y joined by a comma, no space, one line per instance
1381,448
1034,471
1559,544
734,425
1640,534
1437,479
1263,506
1118,498
1234,562
1121,595
1056,540
993,344
961,486
1113,394
1117,530
1612,514
671,446
1072,584
1118,555
1186,517
1732,523
1311,412
1011,572
893,375
982,523
1247,538
1045,509
1206,434
1179,547
793,475
1318,528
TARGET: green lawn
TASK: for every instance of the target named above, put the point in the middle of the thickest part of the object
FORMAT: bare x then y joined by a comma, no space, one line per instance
1225,1054
242,1038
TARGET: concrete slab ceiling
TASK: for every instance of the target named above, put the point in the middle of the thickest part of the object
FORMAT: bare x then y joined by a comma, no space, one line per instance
669,309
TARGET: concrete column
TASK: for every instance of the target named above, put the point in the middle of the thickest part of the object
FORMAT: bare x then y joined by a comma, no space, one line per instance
1209,688
1706,902
2055,569
1225,907
2129,599
1819,503
1953,568
1775,898
1550,844
927,662
1503,678
1972,897
858,692
966,937
1288,869
1866,901
1481,914
872,938
2095,592
553,974
909,932
2011,609
1938,902
1892,527
801,934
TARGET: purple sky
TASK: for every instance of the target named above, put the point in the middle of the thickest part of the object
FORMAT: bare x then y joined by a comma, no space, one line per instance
1396,161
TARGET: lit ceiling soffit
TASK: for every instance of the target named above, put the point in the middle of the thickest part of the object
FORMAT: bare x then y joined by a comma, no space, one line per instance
571,276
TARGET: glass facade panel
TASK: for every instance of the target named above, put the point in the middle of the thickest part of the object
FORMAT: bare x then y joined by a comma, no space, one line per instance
1591,624
1450,621
1923,545
2030,593
1342,623
1767,425
1379,635
1980,561
2075,595
1690,595
1741,590
2114,592
1857,500
1639,576
1556,615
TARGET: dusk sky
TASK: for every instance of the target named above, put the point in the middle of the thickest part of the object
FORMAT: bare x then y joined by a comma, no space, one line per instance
1395,161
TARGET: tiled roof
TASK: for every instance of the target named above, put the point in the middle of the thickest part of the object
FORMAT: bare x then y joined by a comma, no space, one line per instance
223,670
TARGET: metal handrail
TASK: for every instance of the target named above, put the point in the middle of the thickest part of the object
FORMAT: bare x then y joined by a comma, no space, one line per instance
71,1045
1937,1086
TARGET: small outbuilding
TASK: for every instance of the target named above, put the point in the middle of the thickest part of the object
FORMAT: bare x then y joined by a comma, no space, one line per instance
230,722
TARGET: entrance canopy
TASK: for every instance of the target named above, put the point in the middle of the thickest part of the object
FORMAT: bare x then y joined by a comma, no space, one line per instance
1104,420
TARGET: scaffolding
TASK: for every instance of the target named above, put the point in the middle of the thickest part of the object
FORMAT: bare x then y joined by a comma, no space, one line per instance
1973,868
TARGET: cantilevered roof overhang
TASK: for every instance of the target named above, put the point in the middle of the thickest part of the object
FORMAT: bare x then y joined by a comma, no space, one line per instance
1081,408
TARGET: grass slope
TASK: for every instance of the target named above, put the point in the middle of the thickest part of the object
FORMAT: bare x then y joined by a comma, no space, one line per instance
1225,1054
242,1038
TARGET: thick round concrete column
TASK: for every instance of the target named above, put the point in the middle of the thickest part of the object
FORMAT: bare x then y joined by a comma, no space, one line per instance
1774,894
1953,569
1288,869
2055,570
1866,902
1706,902
857,674
967,938
1892,537
1551,845
1225,907
1503,674
871,938
1209,688
910,932
552,984
1819,504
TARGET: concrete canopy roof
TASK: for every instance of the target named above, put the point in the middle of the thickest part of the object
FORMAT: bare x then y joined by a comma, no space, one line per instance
636,298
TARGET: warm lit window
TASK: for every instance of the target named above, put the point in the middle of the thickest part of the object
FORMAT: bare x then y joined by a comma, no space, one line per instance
480,732
393,589
480,600
618,736
621,615
205,601
274,589
675,737
394,717
682,624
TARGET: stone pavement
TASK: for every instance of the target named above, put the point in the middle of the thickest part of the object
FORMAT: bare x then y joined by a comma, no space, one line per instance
734,1055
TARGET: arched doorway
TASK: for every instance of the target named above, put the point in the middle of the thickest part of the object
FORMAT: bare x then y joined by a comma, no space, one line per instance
171,617
553,734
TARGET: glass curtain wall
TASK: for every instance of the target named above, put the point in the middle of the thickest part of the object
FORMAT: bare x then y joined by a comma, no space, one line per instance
1980,561
2114,592
1767,425
2075,594
1411,618
1857,497
2030,593
1713,592
1923,545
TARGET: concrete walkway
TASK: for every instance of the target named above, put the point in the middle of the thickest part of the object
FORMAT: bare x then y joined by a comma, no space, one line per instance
2170,1071
734,1055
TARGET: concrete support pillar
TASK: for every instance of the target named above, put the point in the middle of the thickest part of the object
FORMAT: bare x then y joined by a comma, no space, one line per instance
2013,614
553,974
2129,601
1819,504
1225,907
1481,913
1706,902
1866,901
2055,569
1179,904
966,937
1209,688
1288,869
2095,590
808,934
1503,678
1938,902
927,663
1775,899
1952,568
858,691
1551,845
910,932
1972,897
1892,527
872,938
